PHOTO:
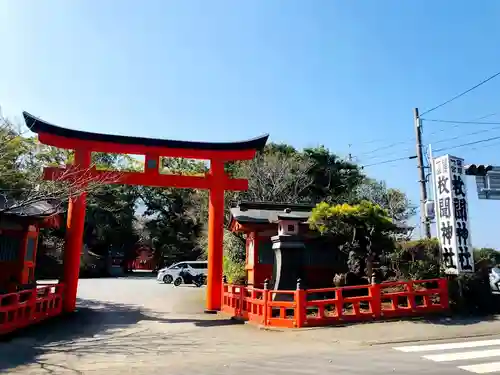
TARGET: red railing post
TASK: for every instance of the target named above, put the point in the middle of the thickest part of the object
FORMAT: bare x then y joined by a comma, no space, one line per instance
376,297
443,293
300,305
224,290
242,290
265,307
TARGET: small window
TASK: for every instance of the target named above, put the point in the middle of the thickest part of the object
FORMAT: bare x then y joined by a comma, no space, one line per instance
198,266
30,250
291,227
9,248
265,252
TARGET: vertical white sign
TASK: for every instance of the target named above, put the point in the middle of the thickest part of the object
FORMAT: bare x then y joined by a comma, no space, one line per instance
453,215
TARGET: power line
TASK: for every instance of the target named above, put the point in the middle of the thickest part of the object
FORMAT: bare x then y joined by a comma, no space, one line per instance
466,135
461,94
487,146
468,144
457,124
463,122
391,161
386,147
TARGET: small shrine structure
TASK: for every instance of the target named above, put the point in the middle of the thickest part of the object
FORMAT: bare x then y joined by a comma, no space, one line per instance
19,230
261,221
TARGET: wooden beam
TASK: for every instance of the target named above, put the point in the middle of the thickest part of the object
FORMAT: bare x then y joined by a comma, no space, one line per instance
146,179
117,148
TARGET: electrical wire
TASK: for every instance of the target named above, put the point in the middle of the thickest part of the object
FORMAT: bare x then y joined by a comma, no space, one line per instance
457,124
467,144
461,94
386,147
486,146
463,122
391,161
466,135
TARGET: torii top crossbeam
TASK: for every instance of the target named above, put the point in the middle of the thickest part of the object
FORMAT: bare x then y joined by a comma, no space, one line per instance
153,149
57,136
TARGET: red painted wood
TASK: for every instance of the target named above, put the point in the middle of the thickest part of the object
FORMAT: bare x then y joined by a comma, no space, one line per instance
74,238
216,182
215,236
150,179
116,148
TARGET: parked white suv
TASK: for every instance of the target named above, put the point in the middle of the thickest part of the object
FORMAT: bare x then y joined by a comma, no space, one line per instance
169,274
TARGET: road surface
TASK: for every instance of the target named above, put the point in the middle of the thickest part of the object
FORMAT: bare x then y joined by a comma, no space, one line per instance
138,326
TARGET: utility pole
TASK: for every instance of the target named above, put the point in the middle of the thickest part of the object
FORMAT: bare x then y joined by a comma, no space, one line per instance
421,173
349,157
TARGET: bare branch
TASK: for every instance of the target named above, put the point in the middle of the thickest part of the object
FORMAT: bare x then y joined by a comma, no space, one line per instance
277,178
70,182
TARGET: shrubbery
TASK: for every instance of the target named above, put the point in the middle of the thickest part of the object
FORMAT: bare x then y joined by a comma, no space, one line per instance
420,260
415,260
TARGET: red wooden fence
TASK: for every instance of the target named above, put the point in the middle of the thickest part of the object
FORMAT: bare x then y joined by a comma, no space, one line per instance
320,307
21,309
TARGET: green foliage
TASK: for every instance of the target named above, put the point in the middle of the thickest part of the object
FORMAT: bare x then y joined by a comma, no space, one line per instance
345,219
415,260
332,179
488,255
234,271
475,297
397,204
364,229
234,255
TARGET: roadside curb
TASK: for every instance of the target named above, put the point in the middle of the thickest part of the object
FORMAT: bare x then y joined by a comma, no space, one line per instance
453,335
426,339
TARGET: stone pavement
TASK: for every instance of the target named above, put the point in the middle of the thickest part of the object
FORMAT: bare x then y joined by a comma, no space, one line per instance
161,330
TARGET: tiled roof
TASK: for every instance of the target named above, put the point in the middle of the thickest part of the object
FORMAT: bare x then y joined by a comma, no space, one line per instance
268,212
39,209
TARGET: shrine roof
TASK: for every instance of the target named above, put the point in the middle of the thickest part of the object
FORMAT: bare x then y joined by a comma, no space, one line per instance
268,212
38,126
36,210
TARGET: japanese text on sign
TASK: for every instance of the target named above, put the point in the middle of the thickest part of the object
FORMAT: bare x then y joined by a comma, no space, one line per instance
452,215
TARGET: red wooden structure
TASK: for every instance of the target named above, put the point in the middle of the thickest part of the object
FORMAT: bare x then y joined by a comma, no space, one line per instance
330,306
145,259
259,222
22,302
19,229
216,181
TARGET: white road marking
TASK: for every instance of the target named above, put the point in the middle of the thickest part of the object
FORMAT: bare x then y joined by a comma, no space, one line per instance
482,368
448,357
457,351
448,346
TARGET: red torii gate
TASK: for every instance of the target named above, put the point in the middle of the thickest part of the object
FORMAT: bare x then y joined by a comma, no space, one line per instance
216,181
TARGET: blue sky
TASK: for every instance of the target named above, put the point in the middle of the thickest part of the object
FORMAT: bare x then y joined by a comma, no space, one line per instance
329,72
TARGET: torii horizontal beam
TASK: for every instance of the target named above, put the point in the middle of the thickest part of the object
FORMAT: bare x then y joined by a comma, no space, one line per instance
148,179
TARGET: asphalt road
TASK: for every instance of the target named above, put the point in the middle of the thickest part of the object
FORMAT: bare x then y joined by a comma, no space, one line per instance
145,292
138,326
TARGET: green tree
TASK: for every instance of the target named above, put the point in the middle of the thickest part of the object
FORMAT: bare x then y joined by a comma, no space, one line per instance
415,260
398,206
363,229
332,178
490,255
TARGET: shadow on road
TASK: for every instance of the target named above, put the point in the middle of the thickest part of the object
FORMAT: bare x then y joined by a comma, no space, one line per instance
95,329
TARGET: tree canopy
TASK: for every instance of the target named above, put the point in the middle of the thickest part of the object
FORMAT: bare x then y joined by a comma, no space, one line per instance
173,221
